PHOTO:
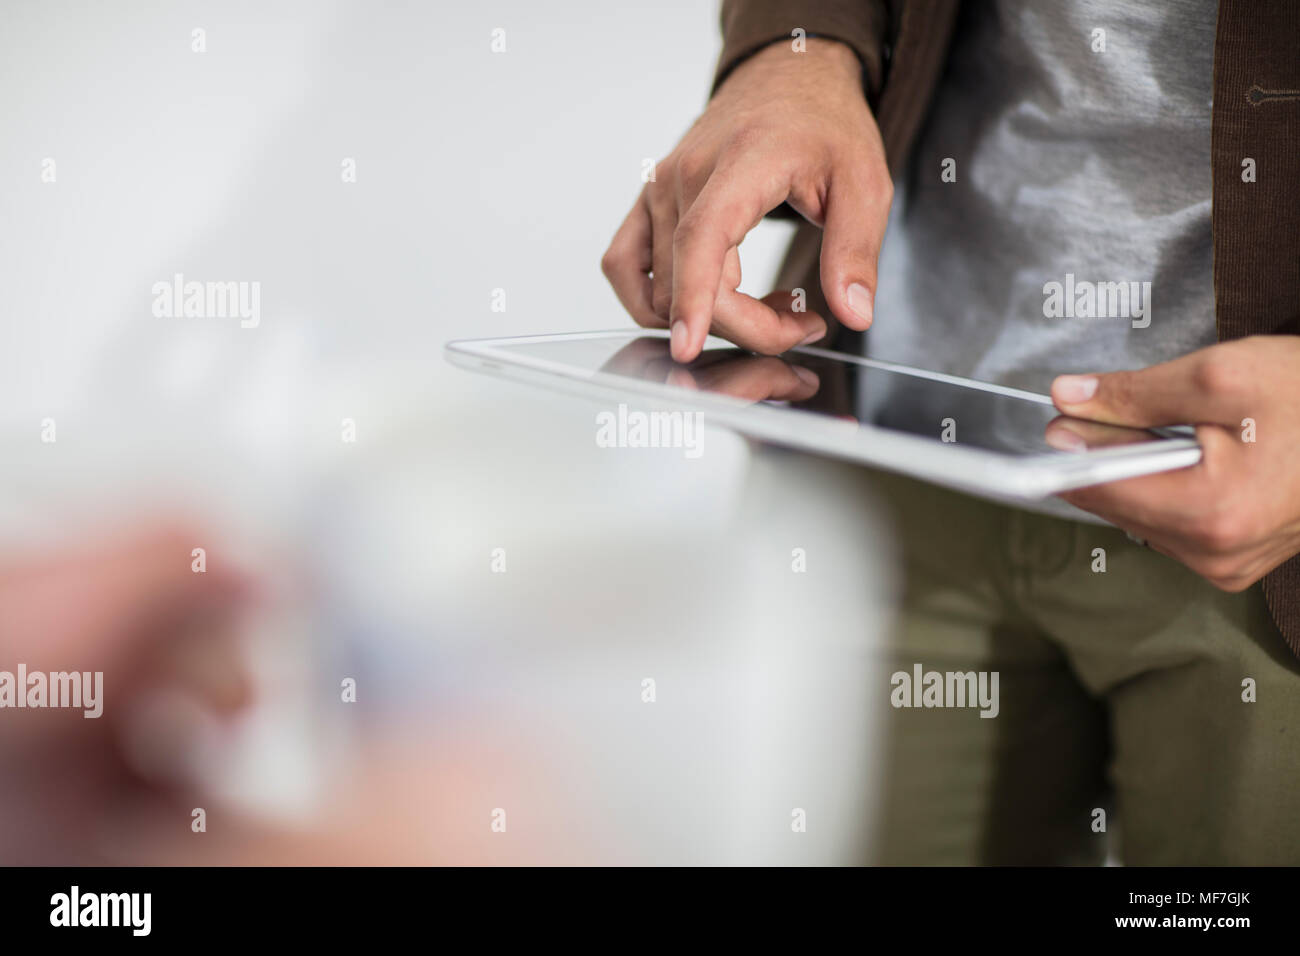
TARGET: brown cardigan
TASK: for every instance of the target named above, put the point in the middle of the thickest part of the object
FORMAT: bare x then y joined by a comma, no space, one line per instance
903,46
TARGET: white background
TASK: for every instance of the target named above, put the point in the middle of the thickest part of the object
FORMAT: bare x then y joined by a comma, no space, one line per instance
475,171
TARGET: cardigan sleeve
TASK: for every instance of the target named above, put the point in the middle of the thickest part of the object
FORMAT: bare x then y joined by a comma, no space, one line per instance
750,25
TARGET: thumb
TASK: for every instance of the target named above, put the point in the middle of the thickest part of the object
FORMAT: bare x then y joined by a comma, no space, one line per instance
857,212
1171,393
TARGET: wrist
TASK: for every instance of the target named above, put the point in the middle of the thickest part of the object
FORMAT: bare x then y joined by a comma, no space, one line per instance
821,57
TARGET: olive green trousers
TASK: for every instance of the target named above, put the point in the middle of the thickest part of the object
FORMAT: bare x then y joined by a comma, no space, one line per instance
1144,716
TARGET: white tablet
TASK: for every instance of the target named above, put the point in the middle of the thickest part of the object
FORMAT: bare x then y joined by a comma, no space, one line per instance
988,440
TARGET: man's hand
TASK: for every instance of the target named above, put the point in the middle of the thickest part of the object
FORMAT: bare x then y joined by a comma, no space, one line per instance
785,126
1236,515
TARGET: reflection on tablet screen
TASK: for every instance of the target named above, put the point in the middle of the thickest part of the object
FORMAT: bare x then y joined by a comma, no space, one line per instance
883,397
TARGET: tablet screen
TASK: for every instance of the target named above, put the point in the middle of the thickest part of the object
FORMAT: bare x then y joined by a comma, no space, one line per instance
987,417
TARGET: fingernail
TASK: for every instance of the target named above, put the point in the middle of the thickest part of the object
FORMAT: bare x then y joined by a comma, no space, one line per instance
682,379
1072,389
679,337
860,301
1062,439
814,337
807,376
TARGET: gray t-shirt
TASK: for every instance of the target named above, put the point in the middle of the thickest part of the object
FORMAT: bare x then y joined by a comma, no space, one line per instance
1076,235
